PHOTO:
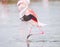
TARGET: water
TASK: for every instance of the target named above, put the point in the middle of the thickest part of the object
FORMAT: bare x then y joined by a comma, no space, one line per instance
13,33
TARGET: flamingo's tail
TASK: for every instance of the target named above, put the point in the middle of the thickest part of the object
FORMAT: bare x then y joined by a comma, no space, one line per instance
41,24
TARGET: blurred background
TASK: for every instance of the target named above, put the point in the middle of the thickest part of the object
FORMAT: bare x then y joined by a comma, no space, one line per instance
15,1
13,33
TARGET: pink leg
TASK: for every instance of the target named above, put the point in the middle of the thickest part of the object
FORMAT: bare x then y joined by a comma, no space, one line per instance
29,33
30,30
42,32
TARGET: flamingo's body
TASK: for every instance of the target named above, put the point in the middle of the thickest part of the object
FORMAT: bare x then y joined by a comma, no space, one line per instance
35,19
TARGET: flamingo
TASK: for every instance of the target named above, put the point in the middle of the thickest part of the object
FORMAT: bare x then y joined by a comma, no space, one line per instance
28,15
